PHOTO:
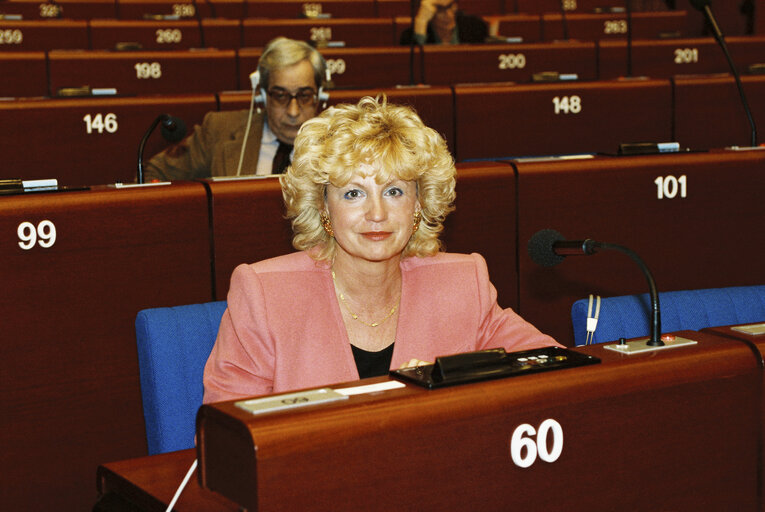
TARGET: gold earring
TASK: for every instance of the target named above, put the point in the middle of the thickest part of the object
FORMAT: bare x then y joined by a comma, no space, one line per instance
325,222
416,221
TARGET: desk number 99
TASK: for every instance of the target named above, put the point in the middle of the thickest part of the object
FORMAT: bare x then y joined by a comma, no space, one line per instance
44,234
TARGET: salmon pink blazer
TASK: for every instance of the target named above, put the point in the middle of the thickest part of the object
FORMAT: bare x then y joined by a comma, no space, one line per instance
283,329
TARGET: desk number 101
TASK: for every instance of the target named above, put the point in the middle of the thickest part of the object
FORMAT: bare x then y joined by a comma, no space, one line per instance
667,187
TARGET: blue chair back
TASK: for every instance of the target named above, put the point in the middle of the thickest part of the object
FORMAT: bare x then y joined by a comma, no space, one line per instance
173,347
629,316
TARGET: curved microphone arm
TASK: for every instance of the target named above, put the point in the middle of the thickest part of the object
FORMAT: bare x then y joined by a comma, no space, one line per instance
142,145
590,246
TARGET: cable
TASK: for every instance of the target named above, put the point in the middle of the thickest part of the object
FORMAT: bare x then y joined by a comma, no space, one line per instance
182,486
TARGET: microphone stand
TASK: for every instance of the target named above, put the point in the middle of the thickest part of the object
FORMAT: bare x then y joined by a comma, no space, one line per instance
173,129
412,12
628,11
563,19
655,340
718,35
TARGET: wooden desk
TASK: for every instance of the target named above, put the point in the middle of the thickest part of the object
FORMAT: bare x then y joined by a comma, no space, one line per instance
673,430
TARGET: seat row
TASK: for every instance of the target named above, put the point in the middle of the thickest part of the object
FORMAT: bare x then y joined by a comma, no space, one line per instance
89,141
236,9
79,265
108,34
62,72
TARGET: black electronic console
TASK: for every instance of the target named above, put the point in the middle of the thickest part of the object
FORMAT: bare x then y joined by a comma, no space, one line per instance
491,364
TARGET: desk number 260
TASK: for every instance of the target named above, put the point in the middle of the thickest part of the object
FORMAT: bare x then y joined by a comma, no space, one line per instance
44,234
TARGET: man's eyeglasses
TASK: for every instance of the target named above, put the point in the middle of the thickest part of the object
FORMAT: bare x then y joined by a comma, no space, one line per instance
304,97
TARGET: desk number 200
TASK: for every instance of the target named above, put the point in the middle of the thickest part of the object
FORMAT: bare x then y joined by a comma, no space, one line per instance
43,234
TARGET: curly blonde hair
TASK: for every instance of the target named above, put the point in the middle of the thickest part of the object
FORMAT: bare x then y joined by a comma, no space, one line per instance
393,140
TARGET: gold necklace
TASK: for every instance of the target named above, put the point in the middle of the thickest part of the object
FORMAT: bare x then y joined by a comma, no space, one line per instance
354,315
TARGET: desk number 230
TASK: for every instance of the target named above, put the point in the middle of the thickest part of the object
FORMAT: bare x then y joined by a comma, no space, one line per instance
44,234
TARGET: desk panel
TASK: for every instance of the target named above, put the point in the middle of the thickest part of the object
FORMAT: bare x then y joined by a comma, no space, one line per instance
698,426
352,67
24,74
666,58
241,235
702,240
31,36
453,64
161,9
294,9
345,31
88,141
149,34
151,72
390,8
69,9
543,6
560,118
71,396
527,27
704,124
592,27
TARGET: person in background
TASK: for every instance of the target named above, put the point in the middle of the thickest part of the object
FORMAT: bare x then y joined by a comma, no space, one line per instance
291,76
441,22
369,290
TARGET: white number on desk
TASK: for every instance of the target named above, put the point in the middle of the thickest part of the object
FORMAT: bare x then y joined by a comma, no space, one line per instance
50,11
668,186
11,36
569,5
99,123
184,10
512,61
686,55
615,27
148,70
320,34
169,35
336,66
524,450
29,235
567,104
311,10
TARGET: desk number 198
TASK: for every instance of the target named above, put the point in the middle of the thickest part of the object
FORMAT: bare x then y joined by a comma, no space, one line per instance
667,187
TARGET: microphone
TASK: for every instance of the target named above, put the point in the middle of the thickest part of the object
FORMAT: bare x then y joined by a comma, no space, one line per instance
563,19
547,248
705,7
628,11
173,130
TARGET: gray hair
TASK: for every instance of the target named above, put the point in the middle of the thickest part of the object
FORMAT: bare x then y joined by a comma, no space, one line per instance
281,53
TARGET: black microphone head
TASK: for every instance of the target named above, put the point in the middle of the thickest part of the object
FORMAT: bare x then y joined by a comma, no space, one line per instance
700,4
173,128
540,248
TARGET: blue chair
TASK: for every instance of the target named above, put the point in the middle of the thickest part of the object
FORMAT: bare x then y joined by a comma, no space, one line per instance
629,316
173,347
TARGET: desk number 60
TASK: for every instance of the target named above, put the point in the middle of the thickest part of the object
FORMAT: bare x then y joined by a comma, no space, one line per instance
29,235
524,450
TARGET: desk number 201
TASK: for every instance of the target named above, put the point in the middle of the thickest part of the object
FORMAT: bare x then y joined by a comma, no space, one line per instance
524,450
44,234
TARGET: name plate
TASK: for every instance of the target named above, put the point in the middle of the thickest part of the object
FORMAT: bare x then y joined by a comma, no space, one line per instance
290,400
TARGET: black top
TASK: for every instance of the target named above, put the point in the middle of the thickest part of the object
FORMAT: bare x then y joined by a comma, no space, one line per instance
372,364
470,29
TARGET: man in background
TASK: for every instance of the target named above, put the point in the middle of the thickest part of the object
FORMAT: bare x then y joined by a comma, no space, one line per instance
290,79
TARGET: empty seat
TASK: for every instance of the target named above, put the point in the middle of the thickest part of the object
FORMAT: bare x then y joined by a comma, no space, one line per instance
145,34
144,72
41,35
87,141
341,31
24,74
591,27
294,9
560,118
